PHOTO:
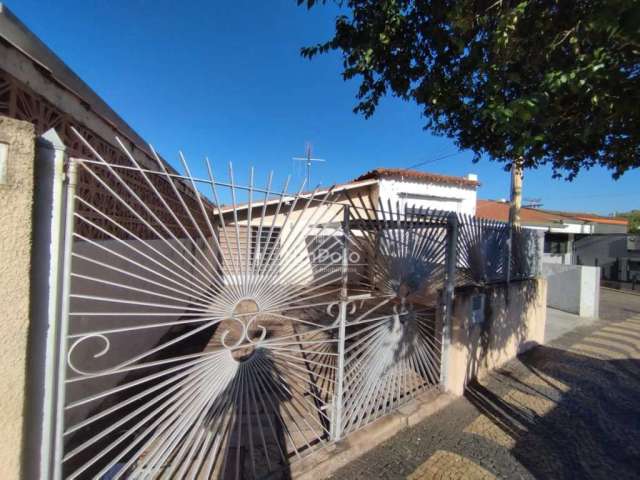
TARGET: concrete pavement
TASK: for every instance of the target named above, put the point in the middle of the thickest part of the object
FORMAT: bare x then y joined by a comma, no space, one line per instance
559,323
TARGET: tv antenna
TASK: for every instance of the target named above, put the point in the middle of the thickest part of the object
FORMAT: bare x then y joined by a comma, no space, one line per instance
308,159
533,202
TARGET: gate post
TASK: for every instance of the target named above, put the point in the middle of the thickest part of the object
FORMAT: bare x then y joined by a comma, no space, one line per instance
509,255
48,230
449,287
72,174
336,420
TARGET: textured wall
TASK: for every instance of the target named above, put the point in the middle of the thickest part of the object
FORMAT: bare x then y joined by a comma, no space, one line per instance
16,197
514,321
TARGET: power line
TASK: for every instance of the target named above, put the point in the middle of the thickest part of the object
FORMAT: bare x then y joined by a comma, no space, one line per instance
590,195
437,159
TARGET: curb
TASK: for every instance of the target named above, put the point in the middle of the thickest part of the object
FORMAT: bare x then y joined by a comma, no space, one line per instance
637,294
327,461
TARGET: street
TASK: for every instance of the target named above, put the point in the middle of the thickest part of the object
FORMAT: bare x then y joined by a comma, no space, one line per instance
568,409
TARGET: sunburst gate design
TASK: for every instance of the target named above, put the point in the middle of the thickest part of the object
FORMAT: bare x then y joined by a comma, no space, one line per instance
213,330
200,347
482,250
393,341
484,255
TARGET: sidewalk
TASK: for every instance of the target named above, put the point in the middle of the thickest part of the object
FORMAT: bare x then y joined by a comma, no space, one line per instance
560,323
568,409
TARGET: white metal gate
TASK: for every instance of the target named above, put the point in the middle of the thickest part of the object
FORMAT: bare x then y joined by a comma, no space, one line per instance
210,329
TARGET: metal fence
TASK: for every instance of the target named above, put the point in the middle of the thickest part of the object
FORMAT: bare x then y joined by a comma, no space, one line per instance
489,251
244,327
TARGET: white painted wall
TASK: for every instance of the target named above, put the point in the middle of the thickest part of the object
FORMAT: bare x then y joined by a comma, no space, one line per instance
573,288
428,195
558,258
590,292
584,228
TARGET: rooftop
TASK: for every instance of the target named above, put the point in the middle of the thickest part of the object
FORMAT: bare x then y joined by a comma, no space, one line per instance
52,70
419,176
499,210
592,217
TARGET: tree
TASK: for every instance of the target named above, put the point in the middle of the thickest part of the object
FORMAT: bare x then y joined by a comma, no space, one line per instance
547,81
633,216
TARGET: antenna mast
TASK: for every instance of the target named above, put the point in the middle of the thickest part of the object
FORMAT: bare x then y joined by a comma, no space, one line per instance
308,159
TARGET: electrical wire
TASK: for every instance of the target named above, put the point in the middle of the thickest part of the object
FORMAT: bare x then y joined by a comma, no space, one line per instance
437,159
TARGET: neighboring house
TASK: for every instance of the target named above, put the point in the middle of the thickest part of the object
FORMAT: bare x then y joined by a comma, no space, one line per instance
617,254
562,229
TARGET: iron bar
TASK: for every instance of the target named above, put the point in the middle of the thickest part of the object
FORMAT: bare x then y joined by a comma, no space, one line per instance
336,424
448,291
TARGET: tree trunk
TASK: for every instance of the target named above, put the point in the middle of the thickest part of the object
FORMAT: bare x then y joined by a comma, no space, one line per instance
516,192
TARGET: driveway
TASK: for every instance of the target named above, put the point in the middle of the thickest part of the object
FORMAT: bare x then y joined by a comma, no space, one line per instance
569,409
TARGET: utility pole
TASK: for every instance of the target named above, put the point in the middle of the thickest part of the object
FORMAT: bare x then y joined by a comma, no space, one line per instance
516,193
514,212
308,160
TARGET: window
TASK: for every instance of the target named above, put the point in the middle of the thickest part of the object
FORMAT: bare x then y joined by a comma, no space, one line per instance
556,243
265,245
242,247
634,265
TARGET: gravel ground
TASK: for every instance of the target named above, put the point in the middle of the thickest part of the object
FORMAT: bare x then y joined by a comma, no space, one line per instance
569,409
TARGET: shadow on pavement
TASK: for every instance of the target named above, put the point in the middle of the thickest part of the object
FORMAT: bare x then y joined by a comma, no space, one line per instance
579,416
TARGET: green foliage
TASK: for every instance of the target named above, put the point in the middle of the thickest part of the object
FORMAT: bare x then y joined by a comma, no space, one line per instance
550,81
633,217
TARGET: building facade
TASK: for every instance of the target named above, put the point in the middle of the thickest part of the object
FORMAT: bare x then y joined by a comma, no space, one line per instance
617,254
424,190
561,229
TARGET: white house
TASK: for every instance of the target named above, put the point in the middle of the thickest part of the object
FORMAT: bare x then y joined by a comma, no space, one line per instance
424,189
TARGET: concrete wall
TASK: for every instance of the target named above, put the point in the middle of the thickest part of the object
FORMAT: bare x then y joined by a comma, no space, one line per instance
590,292
512,320
16,202
573,288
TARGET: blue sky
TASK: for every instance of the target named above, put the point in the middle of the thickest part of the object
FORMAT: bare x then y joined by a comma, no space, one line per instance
225,80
